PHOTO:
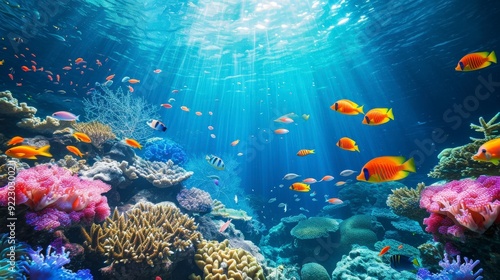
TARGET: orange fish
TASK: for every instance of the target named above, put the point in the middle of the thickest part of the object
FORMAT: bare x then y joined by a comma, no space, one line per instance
166,105
489,151
184,108
133,143
74,150
225,225
300,187
334,200
78,60
281,131
33,67
387,168
347,107
28,152
235,142
25,68
110,77
19,84
134,81
80,136
384,250
476,61
130,89
310,180
198,113
326,178
347,144
157,71
303,153
378,116
15,140
11,76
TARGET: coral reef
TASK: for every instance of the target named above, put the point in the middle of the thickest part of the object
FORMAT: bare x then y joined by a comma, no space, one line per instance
124,113
397,247
314,271
454,270
12,257
460,206
5,162
430,255
159,149
47,126
110,171
314,227
218,261
10,107
361,263
490,129
220,210
56,198
146,241
406,202
195,200
364,196
50,266
72,164
161,174
357,230
97,131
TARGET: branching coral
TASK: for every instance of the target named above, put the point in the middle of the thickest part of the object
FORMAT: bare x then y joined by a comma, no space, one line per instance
218,261
490,128
462,205
406,202
56,198
454,270
97,131
147,235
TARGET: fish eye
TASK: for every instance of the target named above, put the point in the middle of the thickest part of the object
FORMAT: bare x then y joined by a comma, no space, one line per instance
366,173
483,151
461,64
336,106
367,119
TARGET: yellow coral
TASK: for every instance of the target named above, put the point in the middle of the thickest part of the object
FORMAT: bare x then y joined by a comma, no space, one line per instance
97,131
218,261
406,202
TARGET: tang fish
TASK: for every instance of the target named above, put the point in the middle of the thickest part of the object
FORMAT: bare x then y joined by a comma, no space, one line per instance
387,168
378,116
300,187
215,161
489,151
157,125
476,61
347,144
347,107
28,152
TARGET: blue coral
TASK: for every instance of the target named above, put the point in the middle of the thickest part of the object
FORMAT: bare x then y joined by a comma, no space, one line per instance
163,150
12,255
453,271
50,266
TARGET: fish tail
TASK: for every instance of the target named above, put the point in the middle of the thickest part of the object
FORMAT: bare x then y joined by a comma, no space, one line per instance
356,148
409,165
390,115
492,57
360,109
311,151
44,151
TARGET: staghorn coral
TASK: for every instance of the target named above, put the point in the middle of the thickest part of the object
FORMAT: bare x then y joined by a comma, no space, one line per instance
161,174
406,202
195,200
145,241
218,261
10,107
489,129
219,209
97,131
314,227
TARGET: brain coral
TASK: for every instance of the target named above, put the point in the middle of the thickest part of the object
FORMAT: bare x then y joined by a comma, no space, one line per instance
195,200
218,261
314,227
314,271
158,149
357,230
146,236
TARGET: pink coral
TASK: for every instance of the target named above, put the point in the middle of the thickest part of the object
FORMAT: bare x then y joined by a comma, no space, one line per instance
460,205
56,198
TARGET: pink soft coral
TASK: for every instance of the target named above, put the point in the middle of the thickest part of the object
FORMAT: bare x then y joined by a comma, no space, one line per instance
57,198
459,205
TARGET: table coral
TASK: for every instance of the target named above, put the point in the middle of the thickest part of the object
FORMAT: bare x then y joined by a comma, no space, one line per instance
459,206
143,242
56,198
218,261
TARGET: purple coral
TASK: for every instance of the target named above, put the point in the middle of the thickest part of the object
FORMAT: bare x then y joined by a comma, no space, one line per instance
195,200
454,270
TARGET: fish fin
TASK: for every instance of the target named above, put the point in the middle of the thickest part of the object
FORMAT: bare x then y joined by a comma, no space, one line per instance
356,148
409,165
492,57
33,157
312,151
44,151
390,115
360,109
495,161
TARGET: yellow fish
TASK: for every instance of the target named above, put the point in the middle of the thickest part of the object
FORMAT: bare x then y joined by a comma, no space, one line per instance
2,61
28,152
387,168
300,187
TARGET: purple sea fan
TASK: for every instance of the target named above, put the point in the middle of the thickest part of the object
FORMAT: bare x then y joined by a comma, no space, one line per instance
195,200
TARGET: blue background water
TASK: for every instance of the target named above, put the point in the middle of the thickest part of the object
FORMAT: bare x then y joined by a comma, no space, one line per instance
250,62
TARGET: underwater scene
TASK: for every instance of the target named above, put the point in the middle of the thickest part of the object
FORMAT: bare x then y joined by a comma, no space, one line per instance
249,140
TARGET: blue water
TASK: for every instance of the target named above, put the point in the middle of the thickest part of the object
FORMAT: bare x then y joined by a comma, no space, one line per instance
250,62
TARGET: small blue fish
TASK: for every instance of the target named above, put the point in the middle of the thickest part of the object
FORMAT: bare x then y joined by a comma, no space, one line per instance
216,182
157,125
215,161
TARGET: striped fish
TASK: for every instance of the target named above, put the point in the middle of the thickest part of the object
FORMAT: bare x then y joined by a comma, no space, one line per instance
304,152
215,161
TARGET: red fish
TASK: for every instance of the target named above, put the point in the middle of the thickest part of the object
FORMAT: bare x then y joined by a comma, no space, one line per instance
384,250
25,68
476,61
225,225
11,76
166,105
130,89
110,77
33,67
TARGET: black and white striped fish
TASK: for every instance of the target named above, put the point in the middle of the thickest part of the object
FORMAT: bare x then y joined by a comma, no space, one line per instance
215,161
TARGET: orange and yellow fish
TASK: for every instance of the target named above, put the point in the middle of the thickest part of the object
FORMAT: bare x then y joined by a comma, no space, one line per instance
386,168
300,187
489,151
80,136
184,108
15,140
334,201
28,152
304,152
347,107
384,250
281,131
235,142
326,178
74,150
110,77
132,143
347,144
476,61
378,116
